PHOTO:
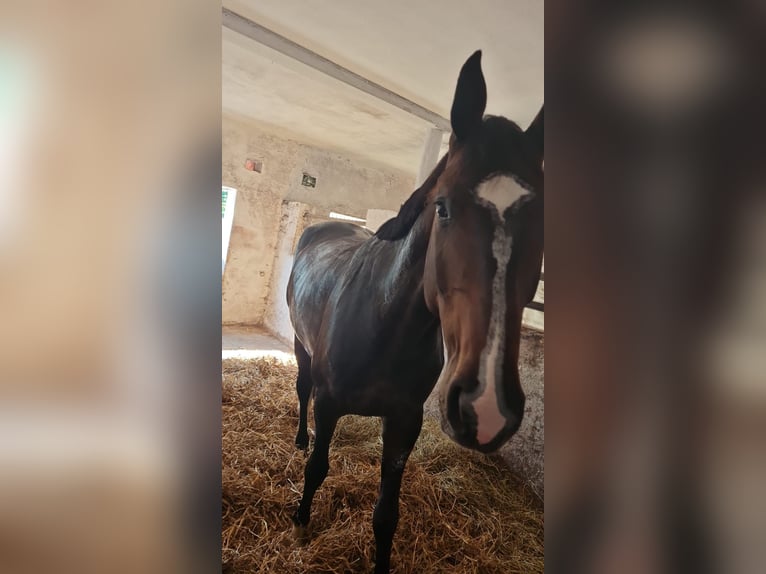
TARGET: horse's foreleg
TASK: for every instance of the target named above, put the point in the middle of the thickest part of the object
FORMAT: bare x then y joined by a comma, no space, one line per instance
303,386
399,436
325,419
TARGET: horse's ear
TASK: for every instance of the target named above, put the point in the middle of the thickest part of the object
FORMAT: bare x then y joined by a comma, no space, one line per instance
535,135
470,98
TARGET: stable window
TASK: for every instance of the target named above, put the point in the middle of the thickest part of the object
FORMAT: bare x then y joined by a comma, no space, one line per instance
228,199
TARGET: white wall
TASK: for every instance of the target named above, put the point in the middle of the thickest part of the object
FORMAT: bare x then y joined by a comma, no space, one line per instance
291,225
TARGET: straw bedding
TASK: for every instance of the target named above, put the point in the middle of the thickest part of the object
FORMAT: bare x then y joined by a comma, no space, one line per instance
460,512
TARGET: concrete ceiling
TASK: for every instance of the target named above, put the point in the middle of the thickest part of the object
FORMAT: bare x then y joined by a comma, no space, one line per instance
413,49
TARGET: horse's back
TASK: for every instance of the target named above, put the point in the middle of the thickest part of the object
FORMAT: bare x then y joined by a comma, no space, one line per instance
332,234
321,261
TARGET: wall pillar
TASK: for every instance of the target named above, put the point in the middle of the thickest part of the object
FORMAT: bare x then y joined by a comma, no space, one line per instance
430,157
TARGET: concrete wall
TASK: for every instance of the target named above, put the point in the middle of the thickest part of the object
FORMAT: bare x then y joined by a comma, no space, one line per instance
525,453
343,184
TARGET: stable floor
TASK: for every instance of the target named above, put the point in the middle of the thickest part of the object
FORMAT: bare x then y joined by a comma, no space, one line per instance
243,342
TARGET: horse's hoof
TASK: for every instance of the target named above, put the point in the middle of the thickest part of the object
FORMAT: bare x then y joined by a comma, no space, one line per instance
301,534
302,442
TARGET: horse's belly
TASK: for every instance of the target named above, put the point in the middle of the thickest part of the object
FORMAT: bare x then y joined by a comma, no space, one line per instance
382,389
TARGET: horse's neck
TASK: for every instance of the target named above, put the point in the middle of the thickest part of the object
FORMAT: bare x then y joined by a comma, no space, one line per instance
377,310
402,284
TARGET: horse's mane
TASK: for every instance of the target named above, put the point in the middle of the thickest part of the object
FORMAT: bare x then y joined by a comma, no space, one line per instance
399,226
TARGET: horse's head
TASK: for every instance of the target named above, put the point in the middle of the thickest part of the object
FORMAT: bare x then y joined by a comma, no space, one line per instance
483,262
484,205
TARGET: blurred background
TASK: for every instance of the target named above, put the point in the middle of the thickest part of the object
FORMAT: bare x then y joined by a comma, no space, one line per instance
656,277
109,286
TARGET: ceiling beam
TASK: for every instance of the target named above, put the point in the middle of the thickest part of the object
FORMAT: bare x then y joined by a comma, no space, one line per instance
258,33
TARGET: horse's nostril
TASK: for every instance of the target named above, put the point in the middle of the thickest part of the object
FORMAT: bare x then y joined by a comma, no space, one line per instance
454,415
468,386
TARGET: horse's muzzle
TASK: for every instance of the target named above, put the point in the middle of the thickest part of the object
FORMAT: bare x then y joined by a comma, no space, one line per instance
462,424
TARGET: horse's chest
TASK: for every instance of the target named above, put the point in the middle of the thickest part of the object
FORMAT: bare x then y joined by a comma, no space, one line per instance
376,378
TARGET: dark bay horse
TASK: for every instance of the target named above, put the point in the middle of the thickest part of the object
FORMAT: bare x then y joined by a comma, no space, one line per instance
436,295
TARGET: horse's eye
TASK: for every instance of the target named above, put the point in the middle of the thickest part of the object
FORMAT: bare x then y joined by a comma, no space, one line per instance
441,208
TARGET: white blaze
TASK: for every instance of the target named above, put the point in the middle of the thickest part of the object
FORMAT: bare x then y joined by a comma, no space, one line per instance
498,193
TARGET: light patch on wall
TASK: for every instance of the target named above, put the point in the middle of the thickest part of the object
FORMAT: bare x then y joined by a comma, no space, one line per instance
228,199
255,165
19,106
342,217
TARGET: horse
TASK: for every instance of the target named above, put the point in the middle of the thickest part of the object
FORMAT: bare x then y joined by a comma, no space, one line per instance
434,297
